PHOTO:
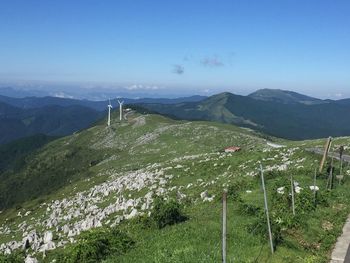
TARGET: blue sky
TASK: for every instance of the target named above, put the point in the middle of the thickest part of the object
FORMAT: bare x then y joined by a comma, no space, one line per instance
202,46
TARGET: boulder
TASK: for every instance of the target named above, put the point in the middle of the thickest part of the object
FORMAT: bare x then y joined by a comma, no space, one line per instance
29,259
48,236
204,194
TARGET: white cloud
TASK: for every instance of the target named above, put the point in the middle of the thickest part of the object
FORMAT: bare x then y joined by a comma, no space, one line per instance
142,87
206,90
338,95
62,95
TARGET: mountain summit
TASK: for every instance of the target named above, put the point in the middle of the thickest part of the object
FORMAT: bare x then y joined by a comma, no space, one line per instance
284,96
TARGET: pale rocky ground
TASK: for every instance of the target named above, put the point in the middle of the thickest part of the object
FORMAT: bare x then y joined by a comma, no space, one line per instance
118,199
125,195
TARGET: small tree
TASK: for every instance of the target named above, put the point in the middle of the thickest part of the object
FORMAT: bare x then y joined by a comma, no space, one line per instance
166,212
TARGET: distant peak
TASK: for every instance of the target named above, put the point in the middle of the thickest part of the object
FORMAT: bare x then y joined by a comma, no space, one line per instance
284,96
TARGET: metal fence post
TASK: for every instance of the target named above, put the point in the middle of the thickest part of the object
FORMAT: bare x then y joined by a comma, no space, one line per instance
266,208
224,225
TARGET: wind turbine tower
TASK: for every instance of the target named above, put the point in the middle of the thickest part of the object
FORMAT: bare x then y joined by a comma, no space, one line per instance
120,109
109,113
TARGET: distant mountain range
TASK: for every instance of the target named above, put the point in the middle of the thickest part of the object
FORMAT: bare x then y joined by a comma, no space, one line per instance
37,102
21,117
275,112
50,120
284,96
279,113
93,93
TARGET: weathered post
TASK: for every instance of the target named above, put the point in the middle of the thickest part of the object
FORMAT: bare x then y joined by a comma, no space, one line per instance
341,151
330,176
325,153
292,191
266,208
224,225
340,176
345,169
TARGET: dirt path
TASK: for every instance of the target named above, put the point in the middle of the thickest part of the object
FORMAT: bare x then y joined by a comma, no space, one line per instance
341,251
346,158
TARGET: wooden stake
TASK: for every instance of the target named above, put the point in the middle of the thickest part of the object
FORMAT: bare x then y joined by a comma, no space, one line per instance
341,165
325,154
292,191
266,208
331,176
341,169
224,225
346,169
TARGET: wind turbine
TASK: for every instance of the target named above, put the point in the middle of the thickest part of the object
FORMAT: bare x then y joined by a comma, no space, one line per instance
109,113
120,109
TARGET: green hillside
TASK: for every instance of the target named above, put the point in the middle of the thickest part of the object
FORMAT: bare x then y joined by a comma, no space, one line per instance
75,157
292,121
97,196
50,120
284,96
13,154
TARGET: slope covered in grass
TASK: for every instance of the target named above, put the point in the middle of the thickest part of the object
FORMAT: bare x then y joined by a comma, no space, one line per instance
12,155
109,178
50,120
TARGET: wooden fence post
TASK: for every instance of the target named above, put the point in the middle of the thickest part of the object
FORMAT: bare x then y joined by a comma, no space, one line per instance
331,176
325,153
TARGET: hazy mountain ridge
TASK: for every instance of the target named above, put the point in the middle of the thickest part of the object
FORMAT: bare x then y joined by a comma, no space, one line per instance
37,102
21,117
287,120
284,96
276,112
50,120
97,94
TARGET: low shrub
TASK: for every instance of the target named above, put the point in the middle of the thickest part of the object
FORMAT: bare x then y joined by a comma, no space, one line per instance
16,257
166,212
248,209
96,245
259,227
236,187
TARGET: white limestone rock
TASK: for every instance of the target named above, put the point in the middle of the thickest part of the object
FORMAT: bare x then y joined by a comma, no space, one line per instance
48,236
29,259
204,194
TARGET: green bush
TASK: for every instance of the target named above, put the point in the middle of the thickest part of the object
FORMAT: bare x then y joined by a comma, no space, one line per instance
166,212
13,258
248,209
96,245
259,227
236,187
